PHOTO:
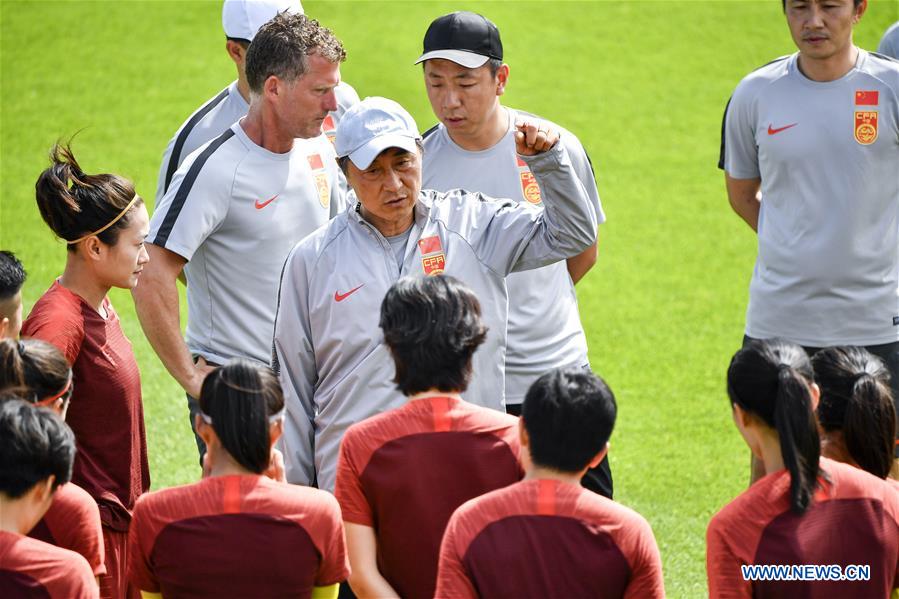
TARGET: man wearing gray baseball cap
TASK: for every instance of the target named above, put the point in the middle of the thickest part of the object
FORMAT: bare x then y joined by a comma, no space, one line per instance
328,350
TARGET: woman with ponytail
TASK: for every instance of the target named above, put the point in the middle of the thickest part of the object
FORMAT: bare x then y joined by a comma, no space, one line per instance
807,509
238,533
856,413
38,373
103,223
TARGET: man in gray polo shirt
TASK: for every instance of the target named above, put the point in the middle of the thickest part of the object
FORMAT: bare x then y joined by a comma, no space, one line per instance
241,19
328,350
810,150
238,205
473,148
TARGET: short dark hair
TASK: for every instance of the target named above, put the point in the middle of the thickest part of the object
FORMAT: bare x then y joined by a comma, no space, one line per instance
770,378
432,325
12,275
34,444
569,414
856,400
282,47
783,4
33,369
240,398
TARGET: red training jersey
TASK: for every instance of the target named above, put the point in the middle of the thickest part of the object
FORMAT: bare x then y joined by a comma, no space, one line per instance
853,520
545,538
405,471
36,570
73,522
237,536
106,413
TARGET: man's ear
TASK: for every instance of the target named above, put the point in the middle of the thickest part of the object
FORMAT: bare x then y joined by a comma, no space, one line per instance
502,78
4,328
272,86
599,456
204,430
236,52
860,10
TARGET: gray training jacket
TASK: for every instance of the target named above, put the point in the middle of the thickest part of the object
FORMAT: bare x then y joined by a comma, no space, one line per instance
329,352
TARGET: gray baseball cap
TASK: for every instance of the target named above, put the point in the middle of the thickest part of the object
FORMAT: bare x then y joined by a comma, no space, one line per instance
373,125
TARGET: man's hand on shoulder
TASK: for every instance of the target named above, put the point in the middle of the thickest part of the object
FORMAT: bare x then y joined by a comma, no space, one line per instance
532,137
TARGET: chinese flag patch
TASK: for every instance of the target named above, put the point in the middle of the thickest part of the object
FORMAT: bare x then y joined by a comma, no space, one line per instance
866,97
433,260
315,162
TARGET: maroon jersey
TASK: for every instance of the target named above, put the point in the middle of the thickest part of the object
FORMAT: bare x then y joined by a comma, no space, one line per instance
33,569
73,522
106,413
545,538
853,520
405,471
237,536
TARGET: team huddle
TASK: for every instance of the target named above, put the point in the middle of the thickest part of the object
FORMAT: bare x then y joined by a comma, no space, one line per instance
384,365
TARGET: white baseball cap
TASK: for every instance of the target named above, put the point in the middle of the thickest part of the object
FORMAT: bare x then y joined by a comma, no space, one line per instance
241,19
373,125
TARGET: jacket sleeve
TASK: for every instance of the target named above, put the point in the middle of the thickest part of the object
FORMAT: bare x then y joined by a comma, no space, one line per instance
293,361
510,236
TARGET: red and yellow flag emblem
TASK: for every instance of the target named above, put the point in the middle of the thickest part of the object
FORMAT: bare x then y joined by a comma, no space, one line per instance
329,129
320,177
529,188
865,126
866,97
433,260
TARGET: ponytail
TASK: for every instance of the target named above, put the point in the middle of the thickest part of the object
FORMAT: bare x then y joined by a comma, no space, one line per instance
770,379
240,399
856,400
33,369
797,430
74,204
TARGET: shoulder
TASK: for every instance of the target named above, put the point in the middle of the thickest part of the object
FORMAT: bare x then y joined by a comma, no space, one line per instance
488,417
57,318
72,499
849,481
594,506
759,79
308,250
884,69
57,302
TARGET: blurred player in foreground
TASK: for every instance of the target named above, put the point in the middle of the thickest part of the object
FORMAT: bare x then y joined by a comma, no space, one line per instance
238,533
38,373
402,473
546,536
36,453
808,509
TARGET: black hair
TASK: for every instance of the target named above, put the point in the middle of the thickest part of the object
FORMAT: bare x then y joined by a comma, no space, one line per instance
12,275
244,43
494,64
33,369
770,379
783,4
432,325
282,46
74,204
239,398
569,414
34,444
856,399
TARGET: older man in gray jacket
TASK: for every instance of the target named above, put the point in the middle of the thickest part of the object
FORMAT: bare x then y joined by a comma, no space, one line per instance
328,350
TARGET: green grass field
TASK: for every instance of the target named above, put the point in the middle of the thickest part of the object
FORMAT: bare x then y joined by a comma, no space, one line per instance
642,83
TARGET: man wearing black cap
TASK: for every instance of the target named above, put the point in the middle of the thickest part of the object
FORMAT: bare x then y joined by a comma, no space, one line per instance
473,148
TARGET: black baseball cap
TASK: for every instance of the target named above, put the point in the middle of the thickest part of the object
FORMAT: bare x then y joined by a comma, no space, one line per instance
466,38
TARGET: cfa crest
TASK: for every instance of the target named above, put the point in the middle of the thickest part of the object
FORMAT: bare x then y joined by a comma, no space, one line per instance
865,126
320,176
433,260
529,188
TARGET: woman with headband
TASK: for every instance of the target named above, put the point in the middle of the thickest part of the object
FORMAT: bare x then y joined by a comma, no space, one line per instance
807,509
37,372
237,532
103,222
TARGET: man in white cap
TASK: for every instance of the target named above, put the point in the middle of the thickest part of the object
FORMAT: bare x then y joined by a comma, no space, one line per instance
328,350
241,19
473,148
238,205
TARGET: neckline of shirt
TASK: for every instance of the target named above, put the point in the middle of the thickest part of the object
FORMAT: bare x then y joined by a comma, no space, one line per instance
105,304
254,148
793,69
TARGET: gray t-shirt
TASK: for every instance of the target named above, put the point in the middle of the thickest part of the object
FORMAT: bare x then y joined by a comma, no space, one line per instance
544,327
234,211
220,112
398,245
889,44
827,154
